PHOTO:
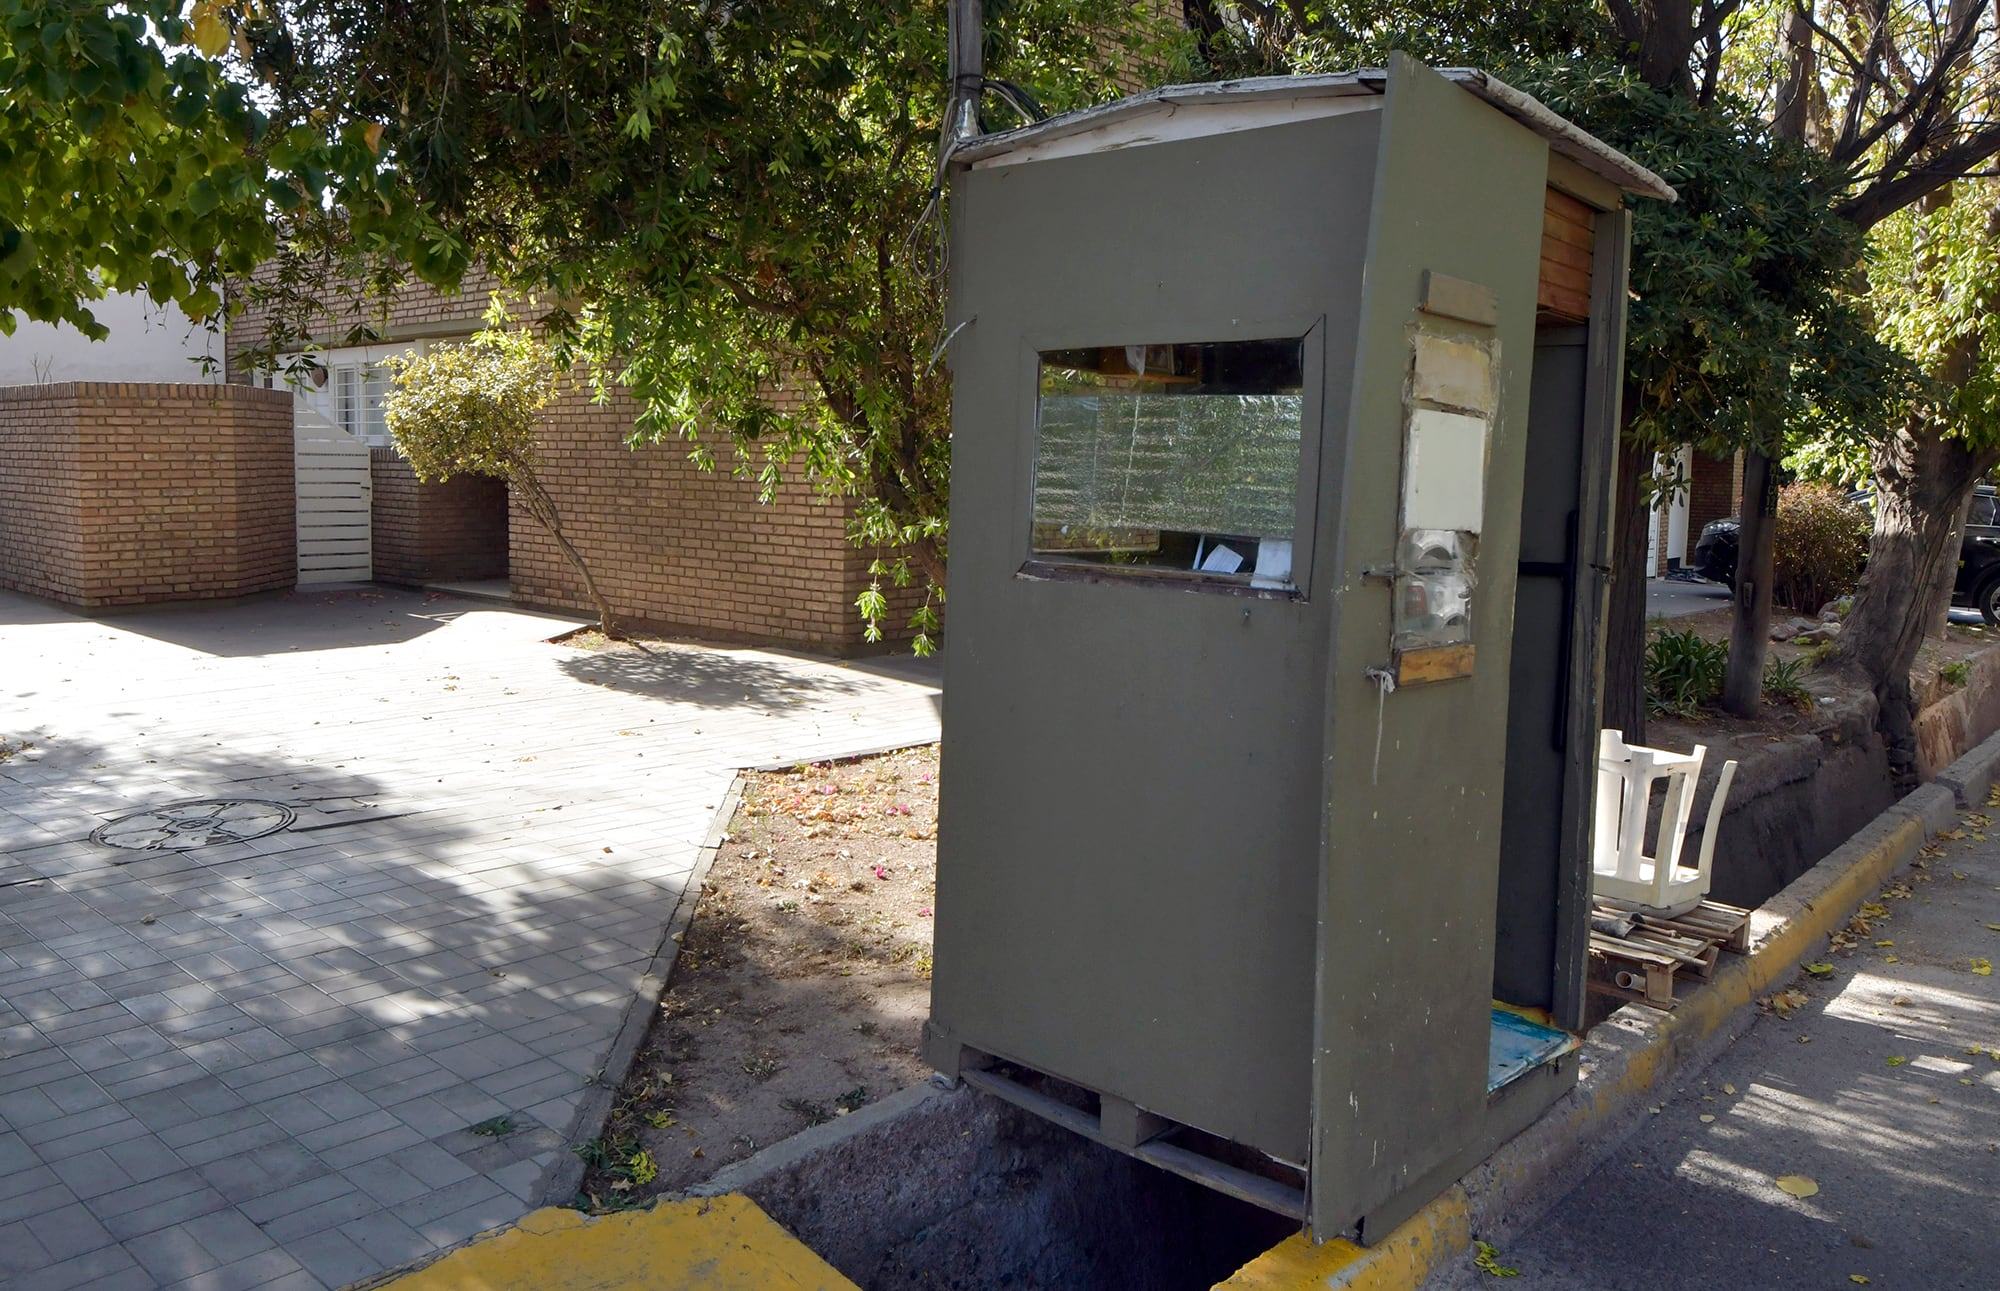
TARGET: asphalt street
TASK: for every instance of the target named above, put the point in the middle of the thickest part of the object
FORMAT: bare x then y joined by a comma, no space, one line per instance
1871,1087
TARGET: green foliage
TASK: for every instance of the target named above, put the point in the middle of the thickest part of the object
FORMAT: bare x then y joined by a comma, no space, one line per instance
124,162
1330,35
1956,673
1934,283
1843,461
733,208
1683,672
472,408
1740,325
138,153
1818,547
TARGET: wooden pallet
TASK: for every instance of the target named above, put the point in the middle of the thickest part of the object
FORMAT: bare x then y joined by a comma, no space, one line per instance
1725,925
1657,950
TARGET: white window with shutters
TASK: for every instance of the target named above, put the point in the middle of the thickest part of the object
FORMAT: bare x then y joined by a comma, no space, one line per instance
347,386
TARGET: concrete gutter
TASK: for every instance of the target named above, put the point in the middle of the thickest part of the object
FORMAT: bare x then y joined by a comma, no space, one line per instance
1630,1054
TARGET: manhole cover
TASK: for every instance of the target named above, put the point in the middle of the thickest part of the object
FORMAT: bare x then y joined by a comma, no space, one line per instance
183,826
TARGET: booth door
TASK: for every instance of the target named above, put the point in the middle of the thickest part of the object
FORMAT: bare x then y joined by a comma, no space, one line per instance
1549,682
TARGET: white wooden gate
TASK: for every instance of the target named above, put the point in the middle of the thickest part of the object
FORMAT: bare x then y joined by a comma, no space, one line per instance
335,495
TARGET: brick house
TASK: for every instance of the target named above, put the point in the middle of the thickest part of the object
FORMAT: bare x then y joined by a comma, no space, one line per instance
674,548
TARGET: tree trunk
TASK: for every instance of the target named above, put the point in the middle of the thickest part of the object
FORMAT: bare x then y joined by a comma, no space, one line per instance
1937,608
1922,482
543,508
1625,626
1750,626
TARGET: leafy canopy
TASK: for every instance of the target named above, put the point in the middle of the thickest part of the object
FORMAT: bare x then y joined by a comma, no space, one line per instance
1740,323
139,151
1934,283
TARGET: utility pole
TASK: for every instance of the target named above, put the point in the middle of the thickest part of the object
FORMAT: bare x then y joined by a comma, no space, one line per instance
967,68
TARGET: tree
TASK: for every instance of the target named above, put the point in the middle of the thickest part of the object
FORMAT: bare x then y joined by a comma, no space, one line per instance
1933,281
730,206
472,409
1739,320
137,154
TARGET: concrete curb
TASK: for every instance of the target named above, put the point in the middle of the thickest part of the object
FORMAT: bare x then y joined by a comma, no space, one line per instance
1624,1058
1973,775
563,1175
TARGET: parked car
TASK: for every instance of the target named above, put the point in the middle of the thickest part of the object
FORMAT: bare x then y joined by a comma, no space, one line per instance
1978,581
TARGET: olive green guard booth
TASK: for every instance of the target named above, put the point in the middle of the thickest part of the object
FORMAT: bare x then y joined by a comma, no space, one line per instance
1284,419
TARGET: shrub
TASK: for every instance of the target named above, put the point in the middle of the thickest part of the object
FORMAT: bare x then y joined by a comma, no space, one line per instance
1782,682
1683,672
473,409
1819,547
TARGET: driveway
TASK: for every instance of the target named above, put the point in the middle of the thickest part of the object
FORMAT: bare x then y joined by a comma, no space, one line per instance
254,1042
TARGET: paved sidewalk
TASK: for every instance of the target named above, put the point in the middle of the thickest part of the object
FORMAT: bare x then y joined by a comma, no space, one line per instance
1882,1087
258,1063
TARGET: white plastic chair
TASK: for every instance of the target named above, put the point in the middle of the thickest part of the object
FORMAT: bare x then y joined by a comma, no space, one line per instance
1622,871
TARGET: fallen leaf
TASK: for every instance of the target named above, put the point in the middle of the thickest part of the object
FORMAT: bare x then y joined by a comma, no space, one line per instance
1966,1080
1898,1061
1901,1001
1708,1118
1784,1002
1891,959
1729,1089
1821,969
1857,1279
1796,1185
1885,943
1982,967
1958,874
1993,927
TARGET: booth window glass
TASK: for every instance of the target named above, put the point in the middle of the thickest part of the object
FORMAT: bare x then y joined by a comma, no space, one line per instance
1171,458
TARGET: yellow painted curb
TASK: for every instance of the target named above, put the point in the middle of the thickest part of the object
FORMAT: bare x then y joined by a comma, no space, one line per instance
702,1244
1438,1233
1442,1231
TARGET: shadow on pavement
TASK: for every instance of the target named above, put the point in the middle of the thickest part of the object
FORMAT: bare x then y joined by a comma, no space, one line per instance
289,1040
709,678
334,617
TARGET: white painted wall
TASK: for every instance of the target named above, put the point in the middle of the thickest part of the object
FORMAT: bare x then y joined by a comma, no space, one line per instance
147,343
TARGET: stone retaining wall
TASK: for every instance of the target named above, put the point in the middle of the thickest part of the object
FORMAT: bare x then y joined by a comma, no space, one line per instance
1797,797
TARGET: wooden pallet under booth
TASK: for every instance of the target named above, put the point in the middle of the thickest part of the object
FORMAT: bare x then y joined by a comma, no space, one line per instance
1643,963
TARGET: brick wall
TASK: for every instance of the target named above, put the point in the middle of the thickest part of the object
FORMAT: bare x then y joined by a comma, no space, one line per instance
427,533
686,551
411,310
674,548
127,494
41,536
1715,486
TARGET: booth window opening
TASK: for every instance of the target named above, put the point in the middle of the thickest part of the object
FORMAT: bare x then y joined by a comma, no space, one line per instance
1171,460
